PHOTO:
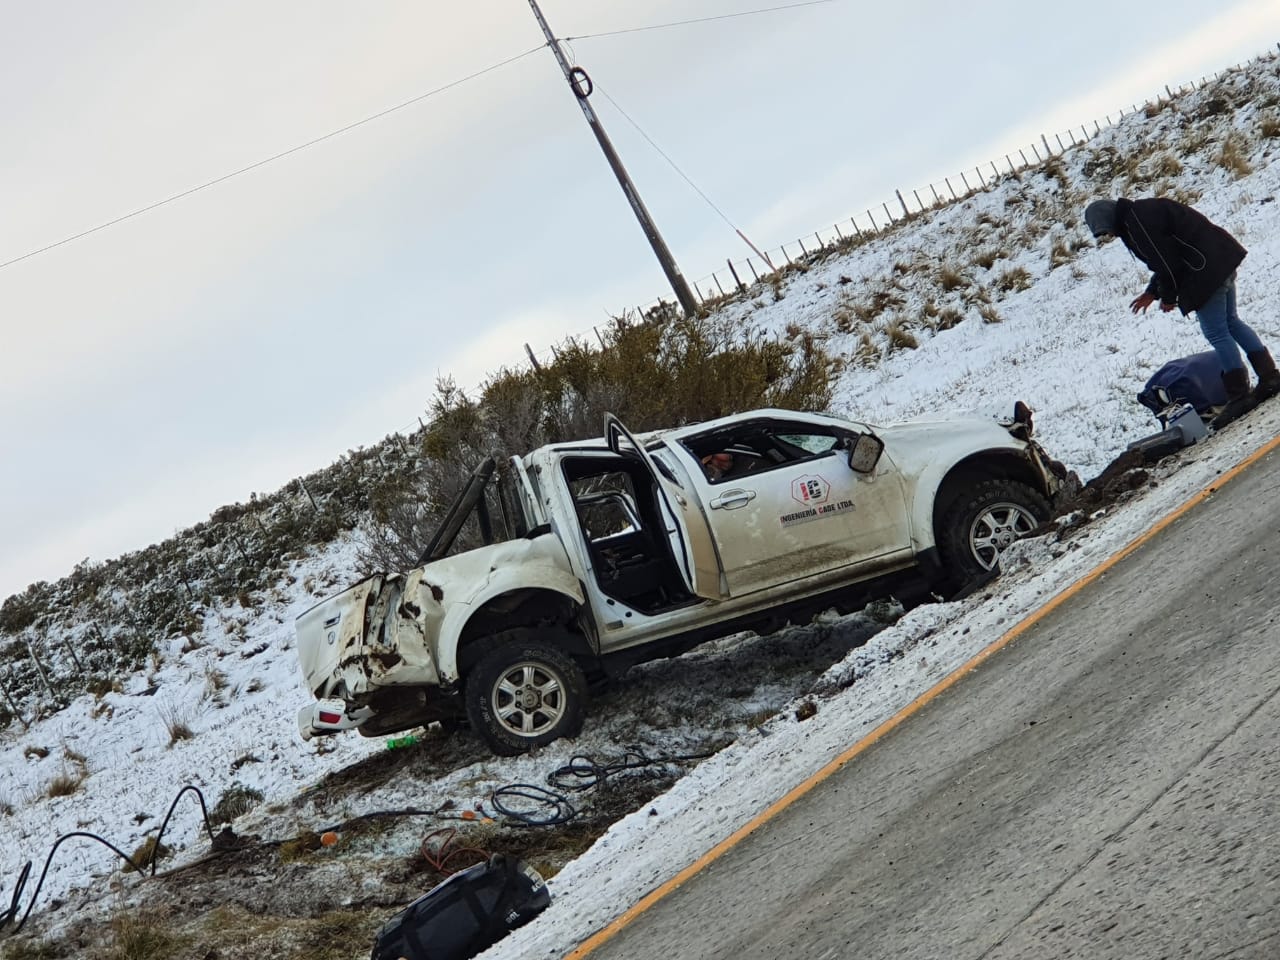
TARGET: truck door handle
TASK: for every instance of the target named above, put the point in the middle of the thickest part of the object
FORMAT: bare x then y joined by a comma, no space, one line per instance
732,499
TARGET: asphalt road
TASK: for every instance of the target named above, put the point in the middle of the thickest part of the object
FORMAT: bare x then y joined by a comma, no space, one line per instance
1107,786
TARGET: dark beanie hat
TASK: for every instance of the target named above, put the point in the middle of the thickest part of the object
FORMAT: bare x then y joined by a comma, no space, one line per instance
1101,217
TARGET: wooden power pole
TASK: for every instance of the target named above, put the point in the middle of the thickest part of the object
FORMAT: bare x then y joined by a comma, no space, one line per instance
580,84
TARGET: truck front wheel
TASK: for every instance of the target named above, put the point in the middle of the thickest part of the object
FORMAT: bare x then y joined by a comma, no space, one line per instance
524,693
983,523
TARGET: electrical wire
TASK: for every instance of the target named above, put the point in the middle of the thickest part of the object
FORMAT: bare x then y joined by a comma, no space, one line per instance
261,163
682,23
662,153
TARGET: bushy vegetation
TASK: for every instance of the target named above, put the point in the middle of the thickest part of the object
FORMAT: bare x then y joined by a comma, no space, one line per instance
652,373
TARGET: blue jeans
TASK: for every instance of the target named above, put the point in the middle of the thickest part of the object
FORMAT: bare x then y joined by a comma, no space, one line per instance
1223,328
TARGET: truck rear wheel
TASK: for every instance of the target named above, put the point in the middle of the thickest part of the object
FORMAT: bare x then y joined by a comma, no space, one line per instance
524,693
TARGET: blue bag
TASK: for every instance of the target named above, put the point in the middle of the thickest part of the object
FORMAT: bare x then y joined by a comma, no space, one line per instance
1196,380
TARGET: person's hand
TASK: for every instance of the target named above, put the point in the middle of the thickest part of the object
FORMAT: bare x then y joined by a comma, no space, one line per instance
1142,301
1166,307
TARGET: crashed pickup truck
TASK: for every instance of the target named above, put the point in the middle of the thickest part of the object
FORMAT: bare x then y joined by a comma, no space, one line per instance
602,554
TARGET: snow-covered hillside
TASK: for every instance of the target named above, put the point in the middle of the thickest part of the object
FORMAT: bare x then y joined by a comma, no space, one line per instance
999,297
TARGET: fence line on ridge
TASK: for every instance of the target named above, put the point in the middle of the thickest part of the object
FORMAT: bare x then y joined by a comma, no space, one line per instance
739,276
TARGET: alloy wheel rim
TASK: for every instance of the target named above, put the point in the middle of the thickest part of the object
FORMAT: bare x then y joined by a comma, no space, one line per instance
996,528
529,699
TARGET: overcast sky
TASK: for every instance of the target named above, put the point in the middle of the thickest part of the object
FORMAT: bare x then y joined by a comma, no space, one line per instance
255,330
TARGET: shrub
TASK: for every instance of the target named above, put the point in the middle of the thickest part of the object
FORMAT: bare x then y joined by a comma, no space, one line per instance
1269,126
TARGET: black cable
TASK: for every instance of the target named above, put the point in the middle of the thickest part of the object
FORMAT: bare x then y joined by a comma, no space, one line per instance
155,855
682,23
562,811
26,870
271,159
579,774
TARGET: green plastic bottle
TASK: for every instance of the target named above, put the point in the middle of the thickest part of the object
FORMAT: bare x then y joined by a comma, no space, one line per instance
395,743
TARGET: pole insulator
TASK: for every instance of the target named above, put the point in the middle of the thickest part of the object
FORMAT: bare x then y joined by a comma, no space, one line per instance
580,80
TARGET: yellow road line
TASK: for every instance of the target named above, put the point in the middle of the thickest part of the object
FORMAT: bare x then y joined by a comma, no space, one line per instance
799,790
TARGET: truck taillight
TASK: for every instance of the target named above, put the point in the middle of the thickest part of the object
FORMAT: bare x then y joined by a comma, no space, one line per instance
326,716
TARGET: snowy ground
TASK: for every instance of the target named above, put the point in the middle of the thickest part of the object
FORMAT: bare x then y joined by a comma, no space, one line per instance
1067,345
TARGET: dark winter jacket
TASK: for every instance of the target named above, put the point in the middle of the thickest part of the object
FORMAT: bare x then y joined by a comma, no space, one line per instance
1190,257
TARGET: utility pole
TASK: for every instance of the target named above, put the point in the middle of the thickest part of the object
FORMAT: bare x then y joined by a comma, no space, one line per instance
581,86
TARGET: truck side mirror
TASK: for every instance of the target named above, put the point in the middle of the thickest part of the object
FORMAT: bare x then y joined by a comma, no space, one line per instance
864,452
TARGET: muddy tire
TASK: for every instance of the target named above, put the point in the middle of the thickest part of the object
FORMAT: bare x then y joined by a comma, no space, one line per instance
980,525
525,693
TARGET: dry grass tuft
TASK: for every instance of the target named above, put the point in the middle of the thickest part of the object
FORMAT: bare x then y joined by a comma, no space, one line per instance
1059,253
1269,126
989,314
146,852
899,337
950,277
866,353
1014,279
143,935
949,317
66,783
985,258
176,720
1233,156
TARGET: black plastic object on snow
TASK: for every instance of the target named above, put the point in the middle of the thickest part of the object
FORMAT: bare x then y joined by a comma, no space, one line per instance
465,914
1196,380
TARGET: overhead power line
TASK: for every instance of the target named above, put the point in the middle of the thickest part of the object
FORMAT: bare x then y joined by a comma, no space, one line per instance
683,23
662,153
284,153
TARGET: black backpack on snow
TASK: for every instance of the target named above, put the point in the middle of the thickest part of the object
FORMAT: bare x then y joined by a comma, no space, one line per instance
465,914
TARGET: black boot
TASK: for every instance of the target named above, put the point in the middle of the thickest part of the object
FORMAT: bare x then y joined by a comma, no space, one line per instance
1268,376
1239,400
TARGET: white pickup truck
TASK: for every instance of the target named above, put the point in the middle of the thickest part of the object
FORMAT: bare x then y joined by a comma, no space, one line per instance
602,554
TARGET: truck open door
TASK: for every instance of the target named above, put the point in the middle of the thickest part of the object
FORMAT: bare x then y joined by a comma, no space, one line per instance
687,529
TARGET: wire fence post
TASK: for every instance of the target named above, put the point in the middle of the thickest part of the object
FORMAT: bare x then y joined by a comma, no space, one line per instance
532,359
4,688
40,670
736,279
905,211
315,506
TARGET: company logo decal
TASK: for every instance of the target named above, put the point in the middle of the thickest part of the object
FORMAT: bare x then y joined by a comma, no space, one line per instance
813,493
